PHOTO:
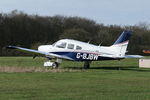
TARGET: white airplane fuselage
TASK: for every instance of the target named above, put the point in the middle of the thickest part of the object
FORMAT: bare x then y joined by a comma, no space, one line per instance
81,51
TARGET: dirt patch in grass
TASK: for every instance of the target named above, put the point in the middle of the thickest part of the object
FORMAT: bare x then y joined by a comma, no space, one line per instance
36,69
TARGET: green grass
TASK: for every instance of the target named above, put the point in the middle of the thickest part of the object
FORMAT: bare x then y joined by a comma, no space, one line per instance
21,61
106,80
38,62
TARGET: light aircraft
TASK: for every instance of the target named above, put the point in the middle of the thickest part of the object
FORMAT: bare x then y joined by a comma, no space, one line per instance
81,51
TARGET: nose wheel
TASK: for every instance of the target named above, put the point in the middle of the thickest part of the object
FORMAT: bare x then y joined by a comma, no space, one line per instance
52,64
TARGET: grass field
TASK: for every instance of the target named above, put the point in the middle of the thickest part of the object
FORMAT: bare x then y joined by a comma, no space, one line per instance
106,80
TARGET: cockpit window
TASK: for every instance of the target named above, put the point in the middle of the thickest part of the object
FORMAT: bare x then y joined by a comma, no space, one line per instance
78,48
70,46
61,44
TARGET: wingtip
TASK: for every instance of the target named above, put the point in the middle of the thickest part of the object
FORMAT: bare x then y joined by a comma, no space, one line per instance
10,47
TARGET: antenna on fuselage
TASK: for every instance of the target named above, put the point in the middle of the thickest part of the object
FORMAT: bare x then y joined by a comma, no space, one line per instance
100,44
89,41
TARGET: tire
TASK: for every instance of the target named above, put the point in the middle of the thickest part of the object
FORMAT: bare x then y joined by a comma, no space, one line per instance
55,65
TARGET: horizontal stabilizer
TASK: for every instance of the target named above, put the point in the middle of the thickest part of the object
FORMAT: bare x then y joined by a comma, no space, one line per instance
133,56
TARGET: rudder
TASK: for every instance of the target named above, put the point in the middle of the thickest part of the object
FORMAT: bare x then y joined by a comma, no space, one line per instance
121,44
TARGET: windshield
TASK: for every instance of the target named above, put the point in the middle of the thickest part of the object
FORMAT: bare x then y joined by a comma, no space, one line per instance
61,44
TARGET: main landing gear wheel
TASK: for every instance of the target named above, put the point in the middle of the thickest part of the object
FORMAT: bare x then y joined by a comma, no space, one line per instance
55,65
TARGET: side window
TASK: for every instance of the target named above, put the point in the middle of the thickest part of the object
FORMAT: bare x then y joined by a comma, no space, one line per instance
78,48
61,45
70,46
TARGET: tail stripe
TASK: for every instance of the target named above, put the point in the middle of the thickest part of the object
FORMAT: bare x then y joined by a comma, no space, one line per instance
123,37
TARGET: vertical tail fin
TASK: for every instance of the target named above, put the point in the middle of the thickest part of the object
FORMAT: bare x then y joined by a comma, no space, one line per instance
124,37
120,45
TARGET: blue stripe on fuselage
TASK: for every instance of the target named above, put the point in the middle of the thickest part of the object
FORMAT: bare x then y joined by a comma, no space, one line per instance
82,56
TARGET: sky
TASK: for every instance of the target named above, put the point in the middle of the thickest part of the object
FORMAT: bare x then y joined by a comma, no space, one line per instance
119,12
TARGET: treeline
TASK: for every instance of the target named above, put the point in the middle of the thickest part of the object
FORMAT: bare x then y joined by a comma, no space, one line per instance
21,29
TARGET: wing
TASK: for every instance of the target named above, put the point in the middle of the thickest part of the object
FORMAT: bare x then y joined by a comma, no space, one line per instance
39,52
